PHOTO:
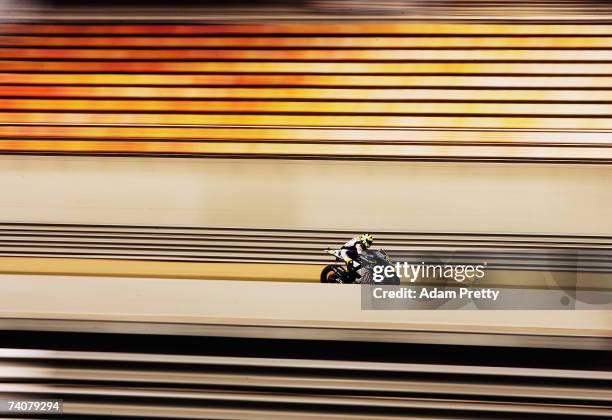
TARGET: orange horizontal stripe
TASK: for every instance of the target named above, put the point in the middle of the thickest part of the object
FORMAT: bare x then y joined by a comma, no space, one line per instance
312,42
313,55
307,67
323,120
162,269
309,93
281,134
304,107
318,80
315,28
308,149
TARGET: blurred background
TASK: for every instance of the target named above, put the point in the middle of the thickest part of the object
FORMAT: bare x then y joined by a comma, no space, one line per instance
171,174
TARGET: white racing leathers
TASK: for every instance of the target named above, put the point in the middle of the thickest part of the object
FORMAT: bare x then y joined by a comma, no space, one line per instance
352,250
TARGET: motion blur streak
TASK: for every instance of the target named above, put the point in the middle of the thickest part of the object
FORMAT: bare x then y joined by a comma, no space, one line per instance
303,362
404,197
316,76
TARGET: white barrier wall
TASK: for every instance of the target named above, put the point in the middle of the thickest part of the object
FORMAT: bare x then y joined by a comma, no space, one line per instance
407,196
265,304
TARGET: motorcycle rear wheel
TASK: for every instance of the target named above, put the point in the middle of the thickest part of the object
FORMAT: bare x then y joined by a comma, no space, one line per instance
329,275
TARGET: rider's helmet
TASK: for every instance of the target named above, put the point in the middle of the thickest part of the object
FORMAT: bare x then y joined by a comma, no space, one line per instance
366,240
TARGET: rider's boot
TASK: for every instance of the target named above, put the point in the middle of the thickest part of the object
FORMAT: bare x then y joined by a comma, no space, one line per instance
353,270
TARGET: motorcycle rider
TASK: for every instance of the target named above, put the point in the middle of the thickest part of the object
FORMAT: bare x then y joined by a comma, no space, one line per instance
351,251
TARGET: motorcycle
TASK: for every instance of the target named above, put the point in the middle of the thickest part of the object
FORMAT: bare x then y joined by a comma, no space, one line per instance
339,273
